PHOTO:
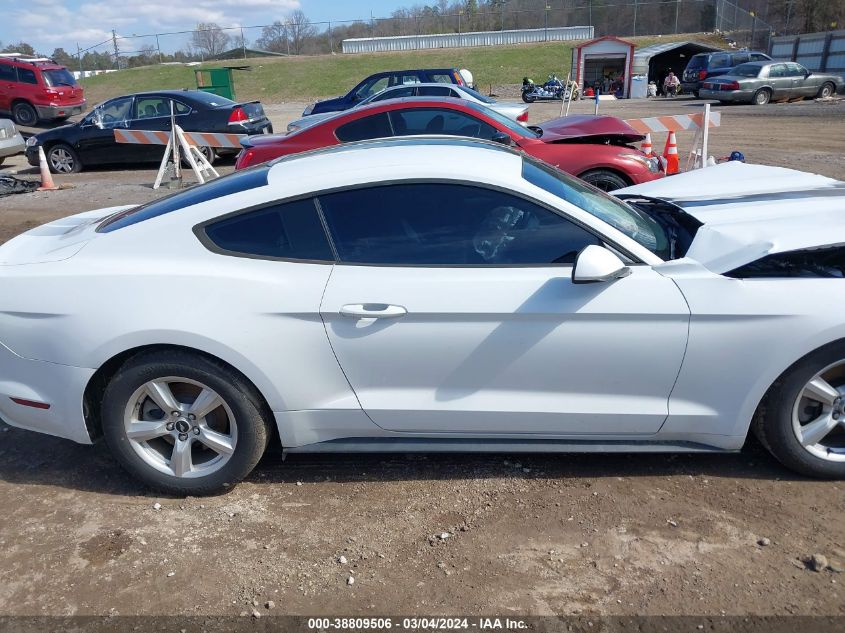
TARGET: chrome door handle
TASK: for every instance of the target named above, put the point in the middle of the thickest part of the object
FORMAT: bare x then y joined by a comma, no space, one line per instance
372,311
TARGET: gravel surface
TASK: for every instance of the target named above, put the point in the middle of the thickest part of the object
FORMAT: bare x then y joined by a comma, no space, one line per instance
430,534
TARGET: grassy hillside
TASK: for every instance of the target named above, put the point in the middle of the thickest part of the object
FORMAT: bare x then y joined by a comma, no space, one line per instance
275,79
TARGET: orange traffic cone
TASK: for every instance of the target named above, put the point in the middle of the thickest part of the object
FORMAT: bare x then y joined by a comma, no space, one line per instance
46,179
646,147
671,162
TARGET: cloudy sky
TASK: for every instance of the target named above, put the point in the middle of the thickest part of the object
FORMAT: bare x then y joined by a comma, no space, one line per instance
48,24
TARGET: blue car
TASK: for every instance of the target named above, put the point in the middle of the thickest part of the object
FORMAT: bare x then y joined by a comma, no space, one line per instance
379,81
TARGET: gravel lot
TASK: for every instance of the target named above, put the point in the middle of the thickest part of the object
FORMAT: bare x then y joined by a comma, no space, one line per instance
430,534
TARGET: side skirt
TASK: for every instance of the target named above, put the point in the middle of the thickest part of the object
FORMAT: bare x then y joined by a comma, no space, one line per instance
435,445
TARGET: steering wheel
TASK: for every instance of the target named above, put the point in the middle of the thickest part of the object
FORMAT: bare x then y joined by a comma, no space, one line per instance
108,118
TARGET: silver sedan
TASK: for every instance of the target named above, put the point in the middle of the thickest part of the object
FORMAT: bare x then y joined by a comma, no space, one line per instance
11,141
761,82
516,111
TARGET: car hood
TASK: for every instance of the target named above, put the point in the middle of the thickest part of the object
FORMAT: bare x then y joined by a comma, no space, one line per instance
587,125
750,211
56,132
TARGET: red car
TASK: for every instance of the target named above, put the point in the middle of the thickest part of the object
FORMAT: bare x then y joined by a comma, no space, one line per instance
37,89
595,148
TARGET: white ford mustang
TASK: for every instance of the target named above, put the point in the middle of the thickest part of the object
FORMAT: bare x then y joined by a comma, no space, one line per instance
439,294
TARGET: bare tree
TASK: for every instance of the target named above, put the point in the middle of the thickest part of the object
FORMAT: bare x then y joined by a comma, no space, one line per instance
274,38
209,39
300,29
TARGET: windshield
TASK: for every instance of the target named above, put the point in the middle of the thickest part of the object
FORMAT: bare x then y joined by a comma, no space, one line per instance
502,120
634,223
58,77
478,95
746,70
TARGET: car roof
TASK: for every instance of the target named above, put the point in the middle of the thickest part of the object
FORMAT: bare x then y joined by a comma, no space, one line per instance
406,158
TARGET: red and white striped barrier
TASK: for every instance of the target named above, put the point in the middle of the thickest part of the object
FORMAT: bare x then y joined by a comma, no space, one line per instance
674,123
204,139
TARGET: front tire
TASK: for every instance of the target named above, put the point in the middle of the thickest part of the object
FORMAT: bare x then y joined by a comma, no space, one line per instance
183,423
604,179
62,159
801,421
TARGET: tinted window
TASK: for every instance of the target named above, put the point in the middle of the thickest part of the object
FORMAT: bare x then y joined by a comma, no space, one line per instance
7,72
375,126
740,58
448,224
436,91
27,76
439,121
289,230
58,77
746,70
479,96
232,183
759,57
698,61
720,60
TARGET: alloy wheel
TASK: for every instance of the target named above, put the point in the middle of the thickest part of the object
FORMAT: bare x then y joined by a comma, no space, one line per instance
180,427
61,160
818,415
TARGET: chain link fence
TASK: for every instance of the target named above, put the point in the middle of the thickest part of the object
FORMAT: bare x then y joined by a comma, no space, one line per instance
296,35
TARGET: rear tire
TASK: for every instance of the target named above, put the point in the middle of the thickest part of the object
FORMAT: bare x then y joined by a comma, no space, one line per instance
223,444
761,97
604,179
527,98
827,90
790,409
24,114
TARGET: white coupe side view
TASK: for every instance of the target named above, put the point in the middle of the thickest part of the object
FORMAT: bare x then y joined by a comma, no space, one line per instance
437,294
516,111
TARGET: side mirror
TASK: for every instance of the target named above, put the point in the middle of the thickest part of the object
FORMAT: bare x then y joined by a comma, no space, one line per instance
595,264
501,137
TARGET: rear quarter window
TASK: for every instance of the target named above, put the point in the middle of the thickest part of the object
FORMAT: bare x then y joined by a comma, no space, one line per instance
290,230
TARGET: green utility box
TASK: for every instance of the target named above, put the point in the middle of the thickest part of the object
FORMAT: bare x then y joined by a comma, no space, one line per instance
217,81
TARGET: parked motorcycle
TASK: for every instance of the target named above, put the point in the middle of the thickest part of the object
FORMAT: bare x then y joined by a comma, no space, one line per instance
552,90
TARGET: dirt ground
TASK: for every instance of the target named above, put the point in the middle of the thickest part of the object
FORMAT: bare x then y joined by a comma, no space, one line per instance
703,535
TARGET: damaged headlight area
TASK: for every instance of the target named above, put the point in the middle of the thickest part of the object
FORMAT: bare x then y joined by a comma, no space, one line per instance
651,162
828,261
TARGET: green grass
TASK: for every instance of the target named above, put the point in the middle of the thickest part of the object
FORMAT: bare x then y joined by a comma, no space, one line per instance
275,79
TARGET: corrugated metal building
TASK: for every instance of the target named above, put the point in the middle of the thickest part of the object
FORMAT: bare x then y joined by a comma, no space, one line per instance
462,40
824,52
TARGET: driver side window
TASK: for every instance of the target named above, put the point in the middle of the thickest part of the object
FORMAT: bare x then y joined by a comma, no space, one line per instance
446,224
115,113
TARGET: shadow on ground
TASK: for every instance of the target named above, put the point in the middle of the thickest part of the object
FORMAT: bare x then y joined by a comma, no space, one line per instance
28,458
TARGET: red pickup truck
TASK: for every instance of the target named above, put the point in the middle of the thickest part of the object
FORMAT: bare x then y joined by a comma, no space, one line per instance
36,89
